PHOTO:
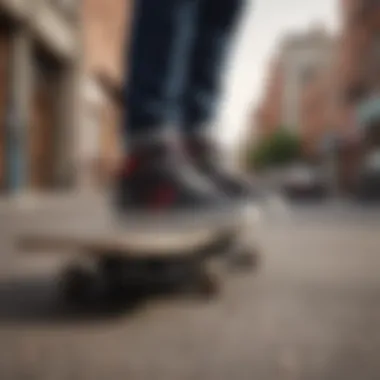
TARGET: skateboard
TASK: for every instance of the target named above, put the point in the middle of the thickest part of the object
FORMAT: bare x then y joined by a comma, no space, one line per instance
114,261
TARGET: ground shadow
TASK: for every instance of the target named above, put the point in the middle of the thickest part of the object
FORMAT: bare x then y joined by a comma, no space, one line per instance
40,300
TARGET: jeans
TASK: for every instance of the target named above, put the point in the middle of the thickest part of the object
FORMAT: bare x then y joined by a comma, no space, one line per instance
176,61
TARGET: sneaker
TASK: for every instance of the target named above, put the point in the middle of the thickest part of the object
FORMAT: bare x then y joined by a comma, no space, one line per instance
207,159
157,189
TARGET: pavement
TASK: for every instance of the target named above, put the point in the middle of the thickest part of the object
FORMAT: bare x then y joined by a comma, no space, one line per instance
311,311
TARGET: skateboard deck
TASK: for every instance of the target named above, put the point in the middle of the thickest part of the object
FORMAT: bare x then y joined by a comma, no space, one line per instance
96,231
121,243
101,235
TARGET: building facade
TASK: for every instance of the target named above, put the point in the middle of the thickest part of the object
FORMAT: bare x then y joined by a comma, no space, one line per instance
40,53
306,58
330,93
361,26
299,93
268,116
360,86
105,37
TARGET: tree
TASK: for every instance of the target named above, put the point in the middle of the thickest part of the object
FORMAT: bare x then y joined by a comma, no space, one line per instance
280,148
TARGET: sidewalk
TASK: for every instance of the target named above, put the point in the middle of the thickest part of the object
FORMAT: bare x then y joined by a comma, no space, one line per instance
50,200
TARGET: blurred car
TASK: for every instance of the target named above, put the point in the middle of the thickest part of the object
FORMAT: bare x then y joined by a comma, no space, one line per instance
369,177
302,181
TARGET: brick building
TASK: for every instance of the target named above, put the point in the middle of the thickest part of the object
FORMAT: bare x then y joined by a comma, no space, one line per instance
325,103
62,71
105,31
268,116
360,83
361,26
300,91
39,71
319,109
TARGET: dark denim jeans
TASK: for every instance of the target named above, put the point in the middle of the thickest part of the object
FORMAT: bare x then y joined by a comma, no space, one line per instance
176,62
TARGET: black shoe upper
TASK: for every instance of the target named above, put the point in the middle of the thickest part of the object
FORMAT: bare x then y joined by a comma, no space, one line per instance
208,160
157,176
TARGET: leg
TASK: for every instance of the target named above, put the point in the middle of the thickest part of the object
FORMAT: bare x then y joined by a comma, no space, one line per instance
217,22
161,38
154,177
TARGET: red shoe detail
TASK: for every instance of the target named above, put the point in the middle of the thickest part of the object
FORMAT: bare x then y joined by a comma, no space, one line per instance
163,197
130,166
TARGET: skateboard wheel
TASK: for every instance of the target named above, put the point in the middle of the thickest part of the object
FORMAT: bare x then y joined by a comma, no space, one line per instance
210,279
209,287
123,282
78,285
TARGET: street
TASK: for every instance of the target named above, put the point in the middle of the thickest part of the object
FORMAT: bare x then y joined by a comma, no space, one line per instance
311,311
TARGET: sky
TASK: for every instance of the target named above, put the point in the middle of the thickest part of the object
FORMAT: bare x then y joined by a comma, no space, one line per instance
263,25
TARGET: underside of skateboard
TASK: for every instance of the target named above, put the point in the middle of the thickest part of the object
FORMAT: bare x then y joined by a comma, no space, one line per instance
111,277
110,269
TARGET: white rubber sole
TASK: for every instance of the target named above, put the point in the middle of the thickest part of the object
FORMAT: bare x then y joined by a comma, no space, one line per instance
141,234
118,244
